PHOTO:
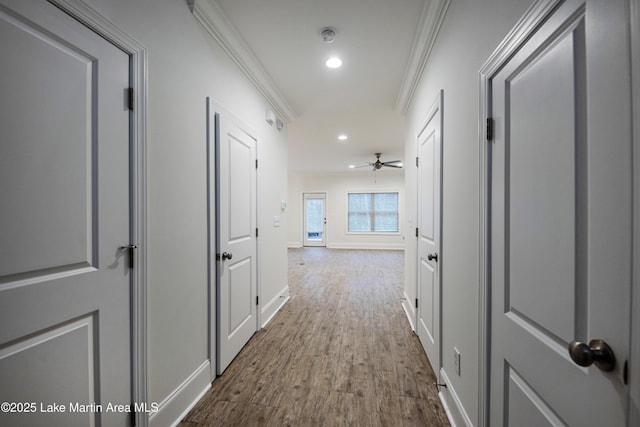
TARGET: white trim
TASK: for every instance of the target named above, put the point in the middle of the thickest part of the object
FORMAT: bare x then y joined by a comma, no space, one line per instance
212,109
409,310
212,275
271,308
450,400
431,20
634,345
447,410
82,12
518,35
294,245
216,23
179,402
372,246
436,108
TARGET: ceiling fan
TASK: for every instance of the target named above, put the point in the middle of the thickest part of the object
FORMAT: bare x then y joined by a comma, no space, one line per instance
378,164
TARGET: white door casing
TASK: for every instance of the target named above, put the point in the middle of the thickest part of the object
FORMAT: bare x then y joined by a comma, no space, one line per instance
237,317
64,184
315,219
429,232
560,225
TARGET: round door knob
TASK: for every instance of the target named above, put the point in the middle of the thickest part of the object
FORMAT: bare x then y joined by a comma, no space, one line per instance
597,352
226,255
432,257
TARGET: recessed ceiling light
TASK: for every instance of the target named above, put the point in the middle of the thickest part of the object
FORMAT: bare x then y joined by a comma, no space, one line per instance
334,62
342,137
352,166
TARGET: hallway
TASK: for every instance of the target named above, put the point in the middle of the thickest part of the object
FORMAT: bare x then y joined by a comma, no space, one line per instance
340,352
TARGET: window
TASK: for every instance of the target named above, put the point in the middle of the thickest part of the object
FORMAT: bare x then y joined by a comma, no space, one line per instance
373,212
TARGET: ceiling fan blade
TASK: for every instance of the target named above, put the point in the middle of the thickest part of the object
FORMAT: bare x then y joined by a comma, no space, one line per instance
393,161
392,166
365,166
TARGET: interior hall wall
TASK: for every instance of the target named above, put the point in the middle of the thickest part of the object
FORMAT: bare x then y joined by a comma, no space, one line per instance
185,66
469,34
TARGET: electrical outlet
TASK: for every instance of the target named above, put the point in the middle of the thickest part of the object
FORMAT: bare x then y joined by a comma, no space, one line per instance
456,360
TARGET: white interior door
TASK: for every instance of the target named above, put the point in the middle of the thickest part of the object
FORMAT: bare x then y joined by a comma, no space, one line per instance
315,219
429,232
236,234
561,218
64,213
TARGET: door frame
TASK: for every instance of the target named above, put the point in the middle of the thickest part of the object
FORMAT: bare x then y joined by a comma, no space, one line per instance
520,32
534,16
89,17
436,108
304,217
213,111
634,380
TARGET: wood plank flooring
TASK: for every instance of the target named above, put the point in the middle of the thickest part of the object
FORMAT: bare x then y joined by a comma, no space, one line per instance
339,353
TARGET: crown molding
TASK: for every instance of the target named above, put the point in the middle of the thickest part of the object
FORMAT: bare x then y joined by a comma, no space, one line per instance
432,17
216,23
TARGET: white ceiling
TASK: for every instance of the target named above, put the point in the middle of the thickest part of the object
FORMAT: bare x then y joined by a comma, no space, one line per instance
374,39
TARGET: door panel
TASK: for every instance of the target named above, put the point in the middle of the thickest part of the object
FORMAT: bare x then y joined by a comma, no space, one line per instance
560,219
64,186
315,221
427,292
237,218
542,171
429,233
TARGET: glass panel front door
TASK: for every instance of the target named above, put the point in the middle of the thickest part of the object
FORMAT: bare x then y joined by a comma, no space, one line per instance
314,220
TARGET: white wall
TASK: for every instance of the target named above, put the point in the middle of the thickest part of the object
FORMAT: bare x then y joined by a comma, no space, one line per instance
469,34
185,66
336,186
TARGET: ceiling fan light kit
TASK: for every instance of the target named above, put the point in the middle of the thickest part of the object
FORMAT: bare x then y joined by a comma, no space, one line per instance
379,165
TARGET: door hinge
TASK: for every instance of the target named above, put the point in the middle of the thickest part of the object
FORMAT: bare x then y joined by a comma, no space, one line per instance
489,129
131,98
257,300
132,255
416,302
256,232
417,232
256,163
417,161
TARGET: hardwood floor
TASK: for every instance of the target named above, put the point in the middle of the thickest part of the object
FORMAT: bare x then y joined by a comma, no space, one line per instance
339,353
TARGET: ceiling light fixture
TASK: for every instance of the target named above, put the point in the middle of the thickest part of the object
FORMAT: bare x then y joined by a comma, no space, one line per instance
352,166
342,137
334,62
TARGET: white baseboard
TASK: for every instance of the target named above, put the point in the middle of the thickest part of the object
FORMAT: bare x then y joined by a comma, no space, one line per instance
378,246
272,307
375,246
178,404
409,310
452,404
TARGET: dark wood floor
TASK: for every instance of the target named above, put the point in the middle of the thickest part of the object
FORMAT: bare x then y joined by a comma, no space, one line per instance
339,353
